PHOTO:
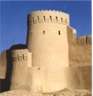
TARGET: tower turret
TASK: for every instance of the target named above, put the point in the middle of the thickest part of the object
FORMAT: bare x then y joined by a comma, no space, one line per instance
21,60
49,46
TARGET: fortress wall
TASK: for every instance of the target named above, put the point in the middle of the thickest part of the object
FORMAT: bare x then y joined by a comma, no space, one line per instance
48,16
84,40
80,57
3,65
79,49
86,74
72,34
75,78
57,58
49,46
21,63
79,77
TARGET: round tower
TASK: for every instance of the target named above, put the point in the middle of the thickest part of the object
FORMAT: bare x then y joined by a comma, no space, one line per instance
48,38
48,42
21,60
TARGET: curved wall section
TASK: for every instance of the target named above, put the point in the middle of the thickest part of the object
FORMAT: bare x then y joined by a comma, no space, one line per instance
37,17
49,46
21,62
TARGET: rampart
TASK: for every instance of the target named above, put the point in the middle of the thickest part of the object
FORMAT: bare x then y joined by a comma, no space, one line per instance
80,51
84,40
48,16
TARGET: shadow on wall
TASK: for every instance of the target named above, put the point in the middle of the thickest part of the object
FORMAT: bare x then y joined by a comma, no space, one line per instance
5,83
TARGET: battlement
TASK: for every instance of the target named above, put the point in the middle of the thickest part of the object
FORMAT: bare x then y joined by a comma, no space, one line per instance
84,40
19,55
48,16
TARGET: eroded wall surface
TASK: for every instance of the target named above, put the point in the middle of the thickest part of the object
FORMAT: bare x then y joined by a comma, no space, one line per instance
80,56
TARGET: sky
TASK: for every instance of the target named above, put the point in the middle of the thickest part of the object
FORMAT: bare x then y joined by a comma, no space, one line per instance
13,18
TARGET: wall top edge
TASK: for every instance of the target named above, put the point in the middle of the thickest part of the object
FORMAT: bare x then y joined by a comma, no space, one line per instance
49,11
84,39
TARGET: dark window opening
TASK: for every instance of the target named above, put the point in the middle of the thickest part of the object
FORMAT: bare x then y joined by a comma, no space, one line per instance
39,68
59,33
44,18
43,31
56,18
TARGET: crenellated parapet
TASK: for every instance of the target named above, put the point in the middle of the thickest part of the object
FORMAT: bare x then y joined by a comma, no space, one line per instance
19,55
49,16
84,40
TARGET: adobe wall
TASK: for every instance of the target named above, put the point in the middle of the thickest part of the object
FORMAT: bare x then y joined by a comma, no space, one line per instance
3,65
22,62
80,56
49,46
80,52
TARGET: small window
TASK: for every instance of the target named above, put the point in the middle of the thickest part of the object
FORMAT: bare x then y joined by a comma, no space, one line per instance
56,18
43,31
39,68
59,33
44,18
